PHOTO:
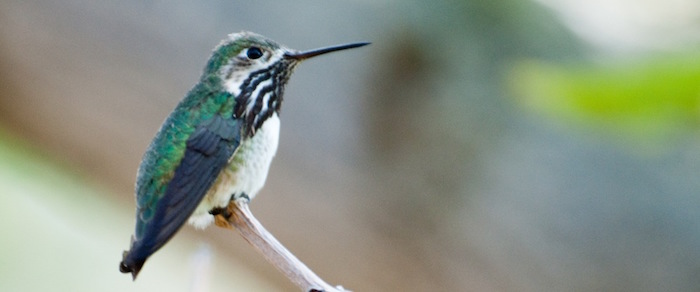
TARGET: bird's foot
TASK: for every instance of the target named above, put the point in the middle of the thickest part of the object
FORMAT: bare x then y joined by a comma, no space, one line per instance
221,217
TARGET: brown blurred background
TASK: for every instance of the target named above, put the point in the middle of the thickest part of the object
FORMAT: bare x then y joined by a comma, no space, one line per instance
408,165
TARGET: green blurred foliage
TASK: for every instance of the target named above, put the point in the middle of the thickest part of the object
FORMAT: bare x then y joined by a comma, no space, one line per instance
647,100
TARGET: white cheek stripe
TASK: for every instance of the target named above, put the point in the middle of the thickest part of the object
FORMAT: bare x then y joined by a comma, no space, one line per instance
263,109
256,92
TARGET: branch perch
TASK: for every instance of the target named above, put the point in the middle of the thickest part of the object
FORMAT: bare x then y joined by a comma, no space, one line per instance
240,217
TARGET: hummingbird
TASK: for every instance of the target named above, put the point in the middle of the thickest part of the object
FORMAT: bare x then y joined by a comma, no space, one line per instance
217,144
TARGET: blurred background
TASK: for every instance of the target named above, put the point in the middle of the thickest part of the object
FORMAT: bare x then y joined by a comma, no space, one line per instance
510,145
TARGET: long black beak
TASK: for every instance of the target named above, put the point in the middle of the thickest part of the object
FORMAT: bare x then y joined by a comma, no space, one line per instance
312,53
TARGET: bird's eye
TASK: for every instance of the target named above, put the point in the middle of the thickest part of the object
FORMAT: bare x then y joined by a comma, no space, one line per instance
254,53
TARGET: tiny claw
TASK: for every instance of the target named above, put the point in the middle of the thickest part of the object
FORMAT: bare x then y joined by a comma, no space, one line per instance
221,221
221,216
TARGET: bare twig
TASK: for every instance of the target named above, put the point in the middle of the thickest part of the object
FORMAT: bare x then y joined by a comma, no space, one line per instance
250,228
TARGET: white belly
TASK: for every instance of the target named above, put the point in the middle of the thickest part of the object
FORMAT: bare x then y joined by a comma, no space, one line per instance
245,174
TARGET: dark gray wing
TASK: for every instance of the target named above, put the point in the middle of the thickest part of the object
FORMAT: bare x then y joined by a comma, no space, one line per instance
207,153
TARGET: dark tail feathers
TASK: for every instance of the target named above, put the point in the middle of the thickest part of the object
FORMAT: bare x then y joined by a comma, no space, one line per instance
132,268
